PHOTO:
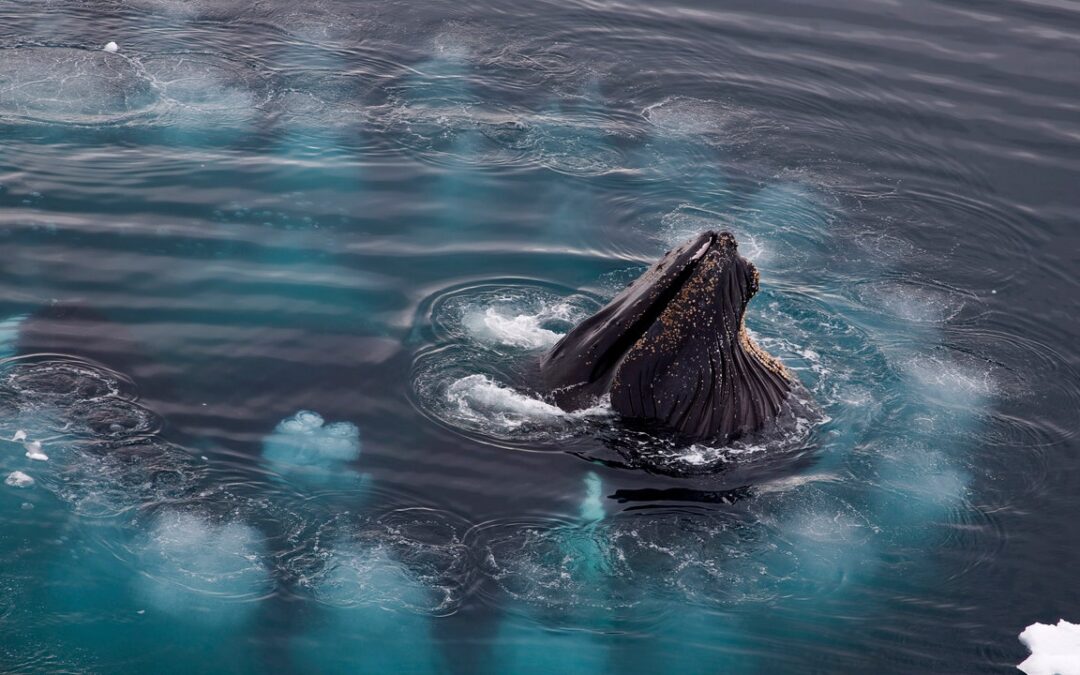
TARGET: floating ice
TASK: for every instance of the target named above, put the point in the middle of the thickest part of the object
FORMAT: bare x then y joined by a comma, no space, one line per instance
111,47
18,479
305,441
201,570
20,435
1055,650
34,451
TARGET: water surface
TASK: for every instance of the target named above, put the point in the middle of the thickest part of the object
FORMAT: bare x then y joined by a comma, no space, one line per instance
276,275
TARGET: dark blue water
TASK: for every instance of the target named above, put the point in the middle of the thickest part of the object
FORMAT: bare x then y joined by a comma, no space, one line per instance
275,276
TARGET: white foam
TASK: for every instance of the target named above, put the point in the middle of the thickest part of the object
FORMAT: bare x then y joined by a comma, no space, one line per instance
522,318
18,479
496,324
480,396
111,47
1055,650
20,435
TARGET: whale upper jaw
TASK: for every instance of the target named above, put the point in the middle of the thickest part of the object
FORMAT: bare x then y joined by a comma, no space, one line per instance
671,348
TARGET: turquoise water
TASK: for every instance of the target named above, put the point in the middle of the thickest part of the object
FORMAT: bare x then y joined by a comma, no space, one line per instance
275,279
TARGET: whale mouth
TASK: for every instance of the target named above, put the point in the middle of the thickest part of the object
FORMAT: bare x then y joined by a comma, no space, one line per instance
581,366
671,348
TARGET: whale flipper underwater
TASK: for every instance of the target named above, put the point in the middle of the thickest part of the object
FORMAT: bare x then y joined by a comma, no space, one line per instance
671,349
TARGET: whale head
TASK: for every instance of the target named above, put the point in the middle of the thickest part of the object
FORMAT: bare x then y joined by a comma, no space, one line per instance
672,350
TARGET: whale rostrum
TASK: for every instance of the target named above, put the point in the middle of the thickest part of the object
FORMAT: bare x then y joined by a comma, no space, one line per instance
672,349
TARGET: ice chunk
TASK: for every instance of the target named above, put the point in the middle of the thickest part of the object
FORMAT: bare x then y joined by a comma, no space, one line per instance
1055,650
20,435
304,440
112,47
18,479
33,451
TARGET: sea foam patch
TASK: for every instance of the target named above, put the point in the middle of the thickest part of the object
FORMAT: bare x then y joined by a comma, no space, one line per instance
481,403
510,317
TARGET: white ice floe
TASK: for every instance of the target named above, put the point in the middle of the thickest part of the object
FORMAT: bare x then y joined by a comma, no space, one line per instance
1055,650
33,451
20,435
18,479
112,47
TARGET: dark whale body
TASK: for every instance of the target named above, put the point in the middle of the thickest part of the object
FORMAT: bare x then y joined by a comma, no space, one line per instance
671,349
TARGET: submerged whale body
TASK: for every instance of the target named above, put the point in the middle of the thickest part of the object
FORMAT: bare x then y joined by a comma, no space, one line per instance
672,351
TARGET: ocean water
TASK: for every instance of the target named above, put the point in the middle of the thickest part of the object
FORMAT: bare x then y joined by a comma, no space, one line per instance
275,277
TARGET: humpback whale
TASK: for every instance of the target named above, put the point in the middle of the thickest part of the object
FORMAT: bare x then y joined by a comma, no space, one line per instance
672,351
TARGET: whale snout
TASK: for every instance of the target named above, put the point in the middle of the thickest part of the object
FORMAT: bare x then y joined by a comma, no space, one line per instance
671,347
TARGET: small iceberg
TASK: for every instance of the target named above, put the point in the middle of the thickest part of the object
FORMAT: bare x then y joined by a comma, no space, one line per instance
112,48
1055,650
18,479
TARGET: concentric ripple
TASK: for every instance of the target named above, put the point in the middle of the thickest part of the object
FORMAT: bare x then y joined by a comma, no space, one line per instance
67,85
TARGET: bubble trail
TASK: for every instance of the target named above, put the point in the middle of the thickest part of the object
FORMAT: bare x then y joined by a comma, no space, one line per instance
525,644
909,474
373,606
